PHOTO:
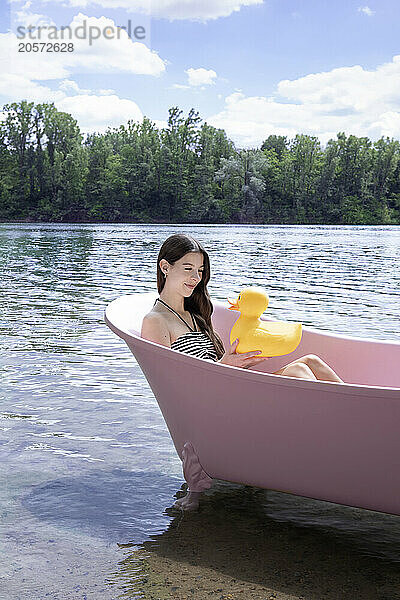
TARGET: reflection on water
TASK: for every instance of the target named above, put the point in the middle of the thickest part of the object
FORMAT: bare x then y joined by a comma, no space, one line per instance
116,506
87,459
250,543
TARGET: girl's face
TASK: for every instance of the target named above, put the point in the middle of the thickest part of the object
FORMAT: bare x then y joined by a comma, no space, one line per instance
185,274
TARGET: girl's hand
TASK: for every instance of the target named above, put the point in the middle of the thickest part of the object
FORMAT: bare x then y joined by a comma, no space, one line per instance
244,361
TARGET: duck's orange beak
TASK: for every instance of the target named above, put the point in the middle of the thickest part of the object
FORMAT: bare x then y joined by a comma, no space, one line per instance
233,304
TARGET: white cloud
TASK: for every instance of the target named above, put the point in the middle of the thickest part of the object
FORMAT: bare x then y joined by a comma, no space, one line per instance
25,17
180,86
106,92
26,76
195,10
103,55
16,87
366,11
248,121
350,99
347,87
97,113
201,76
93,112
68,85
29,65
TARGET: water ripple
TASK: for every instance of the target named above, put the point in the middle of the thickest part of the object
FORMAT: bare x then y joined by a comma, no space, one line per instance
68,380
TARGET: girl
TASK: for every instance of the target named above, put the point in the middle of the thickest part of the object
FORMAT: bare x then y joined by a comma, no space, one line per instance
181,319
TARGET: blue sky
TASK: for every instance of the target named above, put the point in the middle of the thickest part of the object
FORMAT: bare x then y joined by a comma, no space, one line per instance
253,67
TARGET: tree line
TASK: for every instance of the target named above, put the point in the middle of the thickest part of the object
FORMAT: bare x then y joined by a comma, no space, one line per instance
188,172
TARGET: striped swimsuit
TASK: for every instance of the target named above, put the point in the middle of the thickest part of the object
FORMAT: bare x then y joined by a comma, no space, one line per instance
196,343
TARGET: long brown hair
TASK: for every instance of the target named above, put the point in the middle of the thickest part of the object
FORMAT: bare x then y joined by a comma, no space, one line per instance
199,303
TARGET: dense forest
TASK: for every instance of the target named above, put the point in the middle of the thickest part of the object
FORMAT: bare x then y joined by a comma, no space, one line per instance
188,172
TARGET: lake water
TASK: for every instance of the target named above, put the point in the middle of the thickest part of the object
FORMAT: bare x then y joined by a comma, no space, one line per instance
87,464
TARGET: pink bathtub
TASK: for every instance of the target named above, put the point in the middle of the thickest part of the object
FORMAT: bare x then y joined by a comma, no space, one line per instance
323,440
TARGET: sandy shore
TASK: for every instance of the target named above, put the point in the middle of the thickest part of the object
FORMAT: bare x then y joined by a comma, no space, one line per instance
230,550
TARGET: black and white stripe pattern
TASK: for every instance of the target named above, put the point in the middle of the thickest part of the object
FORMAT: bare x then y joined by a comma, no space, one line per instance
196,343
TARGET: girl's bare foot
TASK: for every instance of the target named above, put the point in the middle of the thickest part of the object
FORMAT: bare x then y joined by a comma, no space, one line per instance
188,502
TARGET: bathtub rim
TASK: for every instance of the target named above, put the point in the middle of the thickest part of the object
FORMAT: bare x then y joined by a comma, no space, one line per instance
253,375
264,317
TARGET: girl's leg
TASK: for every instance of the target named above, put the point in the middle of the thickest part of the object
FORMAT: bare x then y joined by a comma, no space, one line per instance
297,369
319,368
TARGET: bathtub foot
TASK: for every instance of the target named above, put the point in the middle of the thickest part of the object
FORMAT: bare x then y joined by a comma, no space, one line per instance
196,477
188,502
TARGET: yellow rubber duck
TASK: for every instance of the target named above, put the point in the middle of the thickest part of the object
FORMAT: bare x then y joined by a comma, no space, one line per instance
273,338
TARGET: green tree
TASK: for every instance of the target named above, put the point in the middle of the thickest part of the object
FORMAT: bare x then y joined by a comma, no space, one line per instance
245,173
17,133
